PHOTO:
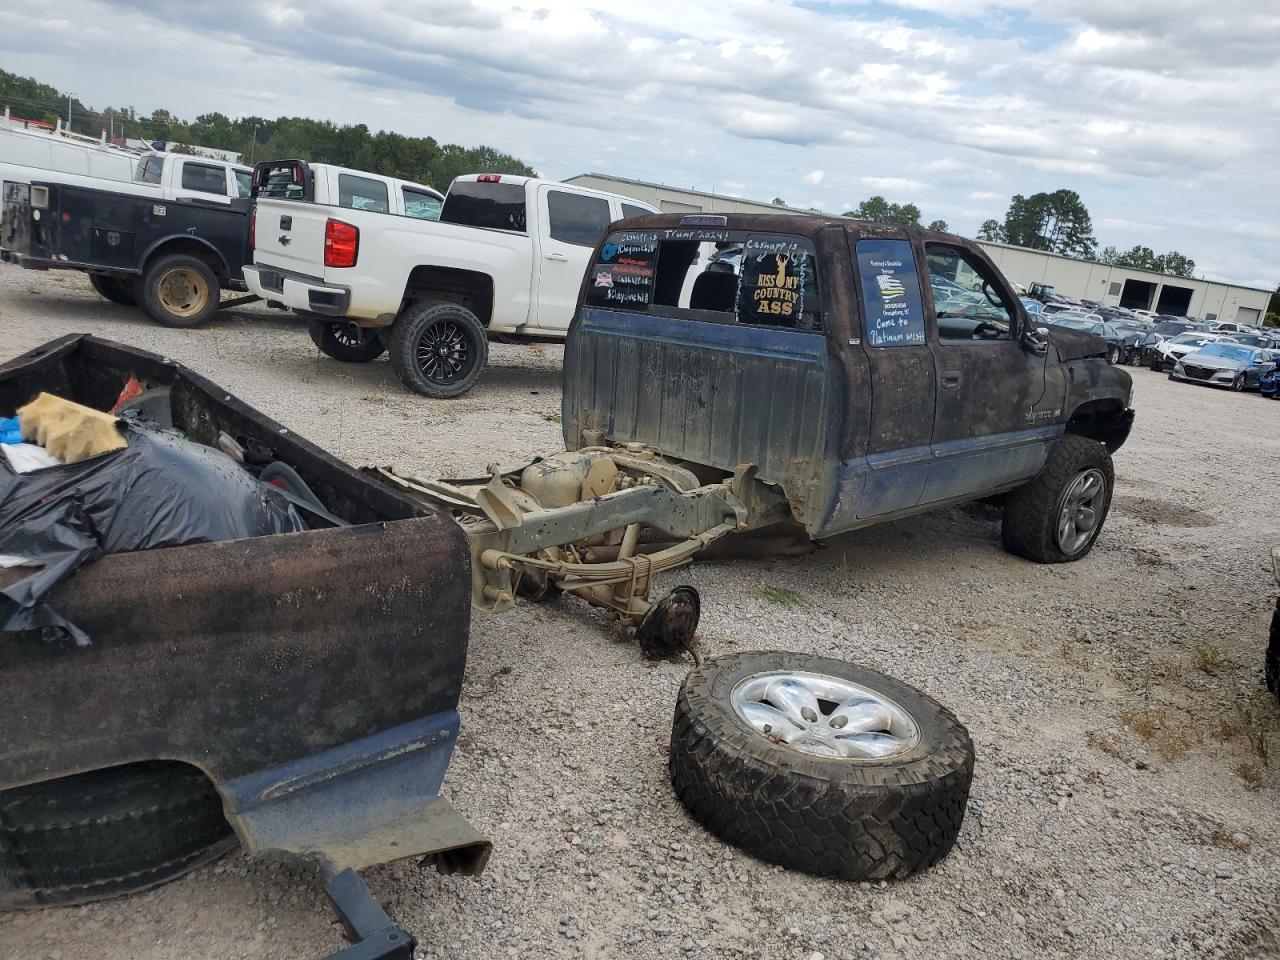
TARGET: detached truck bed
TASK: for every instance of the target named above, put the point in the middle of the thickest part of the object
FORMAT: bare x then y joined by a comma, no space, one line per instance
297,692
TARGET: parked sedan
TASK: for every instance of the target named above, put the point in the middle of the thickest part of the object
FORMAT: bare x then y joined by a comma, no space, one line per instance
1156,349
1091,323
1225,364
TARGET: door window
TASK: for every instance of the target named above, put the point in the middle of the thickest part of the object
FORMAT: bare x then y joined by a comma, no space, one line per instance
890,293
362,193
204,179
149,169
968,300
421,205
576,218
631,210
244,183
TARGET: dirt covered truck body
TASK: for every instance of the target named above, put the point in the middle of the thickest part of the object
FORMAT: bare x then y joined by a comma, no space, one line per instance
732,374
313,678
811,349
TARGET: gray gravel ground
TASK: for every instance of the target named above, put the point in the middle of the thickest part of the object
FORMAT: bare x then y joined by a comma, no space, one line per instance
1122,804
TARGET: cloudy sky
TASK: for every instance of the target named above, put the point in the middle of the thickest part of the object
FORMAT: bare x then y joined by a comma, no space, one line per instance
1163,114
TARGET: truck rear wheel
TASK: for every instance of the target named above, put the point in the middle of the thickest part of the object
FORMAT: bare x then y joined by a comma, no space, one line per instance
438,349
1056,518
116,289
820,765
179,291
345,341
107,832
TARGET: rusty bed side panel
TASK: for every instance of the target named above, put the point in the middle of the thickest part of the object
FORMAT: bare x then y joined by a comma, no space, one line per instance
710,393
240,655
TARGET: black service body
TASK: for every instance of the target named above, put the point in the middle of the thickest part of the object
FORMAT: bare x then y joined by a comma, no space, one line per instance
833,377
118,232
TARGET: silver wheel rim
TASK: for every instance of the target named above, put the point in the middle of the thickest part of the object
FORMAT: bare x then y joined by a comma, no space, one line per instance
824,716
443,353
1081,510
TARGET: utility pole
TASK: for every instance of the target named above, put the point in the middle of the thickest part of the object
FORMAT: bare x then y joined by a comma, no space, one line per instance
253,147
68,113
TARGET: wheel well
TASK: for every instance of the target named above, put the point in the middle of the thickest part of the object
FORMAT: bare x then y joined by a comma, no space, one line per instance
470,288
192,248
1106,421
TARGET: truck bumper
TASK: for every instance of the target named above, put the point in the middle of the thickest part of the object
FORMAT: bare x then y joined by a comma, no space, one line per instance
370,801
304,294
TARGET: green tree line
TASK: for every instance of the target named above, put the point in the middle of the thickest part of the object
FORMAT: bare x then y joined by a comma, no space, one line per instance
420,159
1059,222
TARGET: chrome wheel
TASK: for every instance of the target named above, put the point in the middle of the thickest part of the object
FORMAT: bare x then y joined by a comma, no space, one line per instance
824,716
444,355
182,292
1239,383
1080,510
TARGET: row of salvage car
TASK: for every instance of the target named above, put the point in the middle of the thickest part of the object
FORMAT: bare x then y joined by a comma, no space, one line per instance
1221,355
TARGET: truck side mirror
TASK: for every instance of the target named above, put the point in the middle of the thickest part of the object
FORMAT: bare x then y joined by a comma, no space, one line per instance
1035,339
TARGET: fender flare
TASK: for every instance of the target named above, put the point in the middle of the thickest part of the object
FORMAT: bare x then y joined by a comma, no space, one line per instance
184,238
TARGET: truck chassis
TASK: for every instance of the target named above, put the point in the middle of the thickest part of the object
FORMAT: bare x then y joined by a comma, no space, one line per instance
600,523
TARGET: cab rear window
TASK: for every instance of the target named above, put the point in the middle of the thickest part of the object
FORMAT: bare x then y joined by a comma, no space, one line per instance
720,276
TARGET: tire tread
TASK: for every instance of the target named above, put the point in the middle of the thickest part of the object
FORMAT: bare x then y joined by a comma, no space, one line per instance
767,800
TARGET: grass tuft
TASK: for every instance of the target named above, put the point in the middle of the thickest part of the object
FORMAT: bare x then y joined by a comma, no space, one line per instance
783,597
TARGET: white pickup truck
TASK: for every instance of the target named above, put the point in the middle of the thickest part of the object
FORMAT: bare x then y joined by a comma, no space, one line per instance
507,256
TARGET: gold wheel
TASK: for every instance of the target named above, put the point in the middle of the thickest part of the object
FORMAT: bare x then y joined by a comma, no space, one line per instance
182,292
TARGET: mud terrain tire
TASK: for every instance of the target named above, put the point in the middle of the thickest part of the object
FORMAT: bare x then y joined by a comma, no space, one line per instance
1033,512
106,833
855,819
438,349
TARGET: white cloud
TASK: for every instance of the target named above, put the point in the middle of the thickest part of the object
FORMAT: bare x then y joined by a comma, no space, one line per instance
894,184
813,178
1158,112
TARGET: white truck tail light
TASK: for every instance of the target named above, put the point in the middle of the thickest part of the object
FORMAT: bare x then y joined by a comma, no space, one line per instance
341,244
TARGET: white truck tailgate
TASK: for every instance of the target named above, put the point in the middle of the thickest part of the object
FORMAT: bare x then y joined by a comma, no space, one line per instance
289,235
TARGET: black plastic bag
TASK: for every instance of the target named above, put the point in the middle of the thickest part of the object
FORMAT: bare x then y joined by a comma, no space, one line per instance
160,491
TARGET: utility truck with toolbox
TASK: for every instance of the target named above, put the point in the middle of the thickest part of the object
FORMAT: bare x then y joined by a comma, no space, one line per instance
168,241
506,257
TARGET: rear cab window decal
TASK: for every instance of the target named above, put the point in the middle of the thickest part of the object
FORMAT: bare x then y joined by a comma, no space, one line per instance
623,272
717,276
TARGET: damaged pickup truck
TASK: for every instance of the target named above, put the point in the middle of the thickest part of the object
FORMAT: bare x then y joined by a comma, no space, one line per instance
726,374
294,693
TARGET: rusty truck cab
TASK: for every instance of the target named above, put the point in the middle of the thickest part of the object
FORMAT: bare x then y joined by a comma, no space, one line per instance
815,348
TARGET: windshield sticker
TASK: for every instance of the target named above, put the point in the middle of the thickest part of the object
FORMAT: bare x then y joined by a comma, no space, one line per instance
890,293
604,279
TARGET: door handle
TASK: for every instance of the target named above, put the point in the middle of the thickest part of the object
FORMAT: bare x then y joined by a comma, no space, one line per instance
950,379
557,257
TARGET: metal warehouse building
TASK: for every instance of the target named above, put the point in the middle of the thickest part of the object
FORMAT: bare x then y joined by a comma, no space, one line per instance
1080,279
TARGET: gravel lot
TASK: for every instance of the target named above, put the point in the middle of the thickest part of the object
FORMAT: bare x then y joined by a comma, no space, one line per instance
1121,807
